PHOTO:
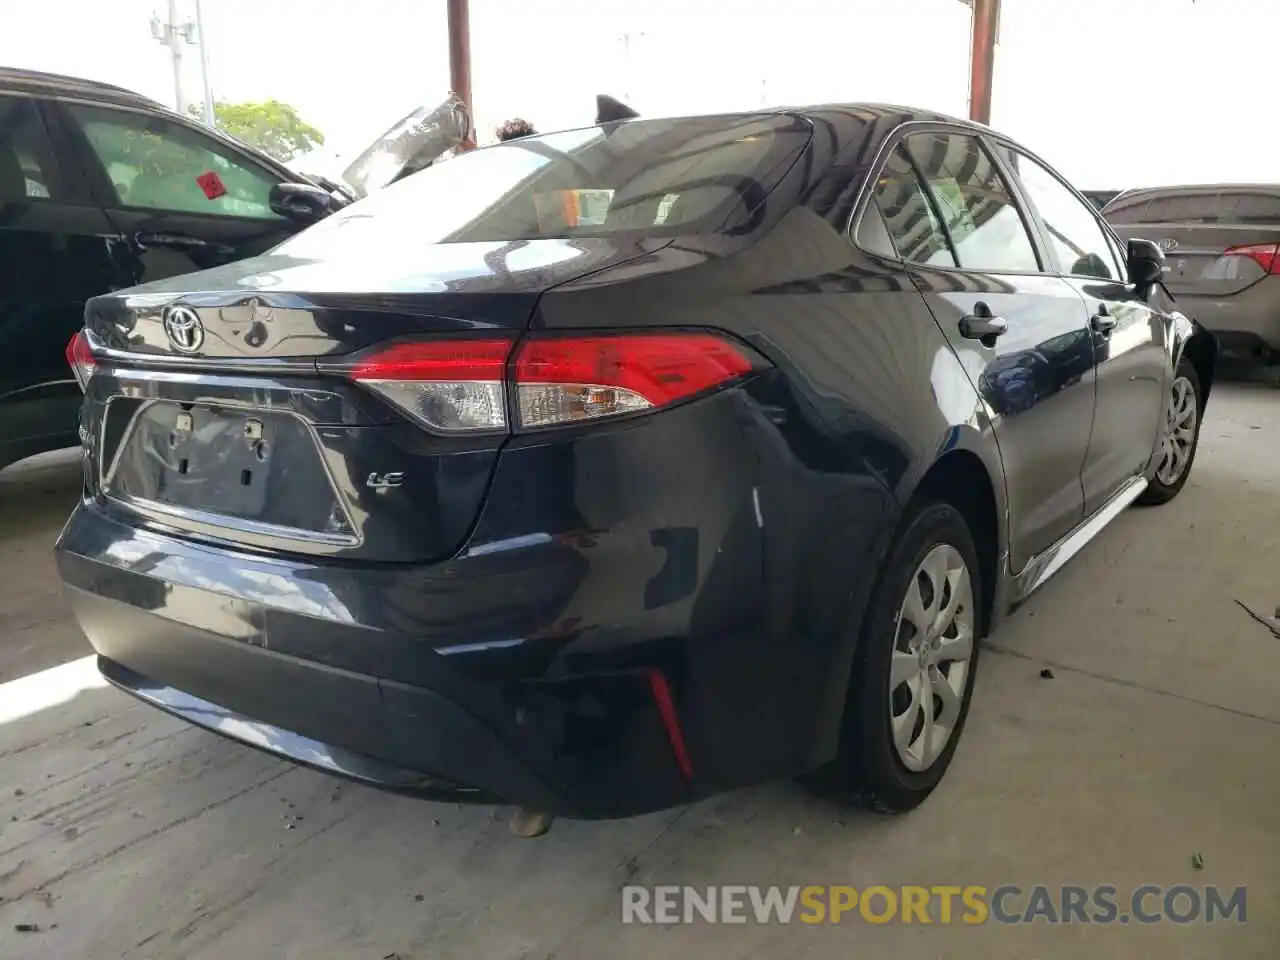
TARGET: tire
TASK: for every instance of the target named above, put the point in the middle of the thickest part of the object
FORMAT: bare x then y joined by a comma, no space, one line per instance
870,768
1167,482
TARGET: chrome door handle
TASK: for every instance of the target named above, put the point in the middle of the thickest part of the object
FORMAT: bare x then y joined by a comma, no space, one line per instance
982,325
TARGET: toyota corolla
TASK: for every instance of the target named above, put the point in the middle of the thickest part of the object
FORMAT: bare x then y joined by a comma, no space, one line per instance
607,469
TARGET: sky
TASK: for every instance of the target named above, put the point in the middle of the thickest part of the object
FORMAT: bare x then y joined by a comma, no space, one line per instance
1114,93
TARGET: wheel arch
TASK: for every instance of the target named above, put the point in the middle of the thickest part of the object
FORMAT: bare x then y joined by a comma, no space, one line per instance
967,473
960,477
964,470
1201,350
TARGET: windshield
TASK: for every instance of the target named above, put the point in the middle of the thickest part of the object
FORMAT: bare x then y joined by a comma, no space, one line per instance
652,177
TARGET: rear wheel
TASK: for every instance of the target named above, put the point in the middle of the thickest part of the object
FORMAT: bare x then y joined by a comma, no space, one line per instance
1179,437
914,672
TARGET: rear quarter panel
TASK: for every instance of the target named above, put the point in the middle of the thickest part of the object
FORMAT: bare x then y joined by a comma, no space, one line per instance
865,396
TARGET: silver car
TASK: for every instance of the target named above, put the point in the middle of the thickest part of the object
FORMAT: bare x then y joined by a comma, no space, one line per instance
1222,244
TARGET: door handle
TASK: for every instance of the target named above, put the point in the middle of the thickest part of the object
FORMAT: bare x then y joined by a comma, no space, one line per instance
178,241
982,325
1102,321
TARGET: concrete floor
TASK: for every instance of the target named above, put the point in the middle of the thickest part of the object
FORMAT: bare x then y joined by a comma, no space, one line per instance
127,834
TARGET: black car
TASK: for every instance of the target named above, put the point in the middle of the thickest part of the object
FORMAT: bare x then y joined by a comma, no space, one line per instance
101,189
603,470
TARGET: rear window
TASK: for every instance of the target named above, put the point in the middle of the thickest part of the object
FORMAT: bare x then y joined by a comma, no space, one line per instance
652,177
1223,206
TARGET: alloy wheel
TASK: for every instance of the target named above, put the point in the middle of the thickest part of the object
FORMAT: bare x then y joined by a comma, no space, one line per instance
1179,436
933,650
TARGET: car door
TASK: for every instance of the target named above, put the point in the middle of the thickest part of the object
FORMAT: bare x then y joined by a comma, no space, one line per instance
53,256
1020,332
180,198
1128,336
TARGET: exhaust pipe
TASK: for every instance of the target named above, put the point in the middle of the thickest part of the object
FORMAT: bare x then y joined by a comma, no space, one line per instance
530,823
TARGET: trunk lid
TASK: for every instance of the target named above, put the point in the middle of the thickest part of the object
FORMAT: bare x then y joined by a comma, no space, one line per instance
415,141
1196,227
217,406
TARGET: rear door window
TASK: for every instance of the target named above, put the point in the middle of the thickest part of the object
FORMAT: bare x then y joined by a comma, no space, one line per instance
647,177
900,199
27,169
159,164
977,208
1078,242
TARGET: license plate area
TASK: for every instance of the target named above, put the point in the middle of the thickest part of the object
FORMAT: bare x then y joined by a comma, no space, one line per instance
259,473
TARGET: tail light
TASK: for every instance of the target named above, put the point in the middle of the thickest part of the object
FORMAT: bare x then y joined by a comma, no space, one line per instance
563,380
462,386
453,386
1266,255
80,358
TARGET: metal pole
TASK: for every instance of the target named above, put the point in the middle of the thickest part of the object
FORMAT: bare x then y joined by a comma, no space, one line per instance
626,67
174,42
210,118
982,56
460,60
626,62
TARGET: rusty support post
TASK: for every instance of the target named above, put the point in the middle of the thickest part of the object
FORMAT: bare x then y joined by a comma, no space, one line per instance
460,59
982,56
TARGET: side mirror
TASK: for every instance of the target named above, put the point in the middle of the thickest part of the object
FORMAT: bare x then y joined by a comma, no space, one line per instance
1146,265
300,201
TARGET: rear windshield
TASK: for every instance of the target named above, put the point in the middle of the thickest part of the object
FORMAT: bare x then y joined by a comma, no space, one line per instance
1221,206
652,177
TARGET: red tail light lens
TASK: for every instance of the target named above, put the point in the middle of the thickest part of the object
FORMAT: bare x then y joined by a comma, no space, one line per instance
80,358
1266,255
453,386
460,386
564,380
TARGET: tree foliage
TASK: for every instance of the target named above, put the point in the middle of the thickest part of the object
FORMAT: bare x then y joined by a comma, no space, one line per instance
273,127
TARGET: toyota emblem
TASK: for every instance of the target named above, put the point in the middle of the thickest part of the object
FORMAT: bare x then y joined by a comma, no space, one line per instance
184,328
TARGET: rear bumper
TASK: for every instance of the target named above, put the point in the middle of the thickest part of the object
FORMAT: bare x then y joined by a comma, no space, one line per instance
1246,321
285,743
403,738
685,569
211,658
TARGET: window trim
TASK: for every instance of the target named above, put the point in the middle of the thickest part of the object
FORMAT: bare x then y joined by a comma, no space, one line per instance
1107,232
1121,250
935,208
100,181
911,127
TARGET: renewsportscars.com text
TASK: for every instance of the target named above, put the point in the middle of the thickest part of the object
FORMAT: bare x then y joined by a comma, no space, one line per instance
1007,904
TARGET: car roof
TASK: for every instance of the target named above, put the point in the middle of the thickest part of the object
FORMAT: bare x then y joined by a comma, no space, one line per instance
35,83
885,111
53,84
867,111
1200,188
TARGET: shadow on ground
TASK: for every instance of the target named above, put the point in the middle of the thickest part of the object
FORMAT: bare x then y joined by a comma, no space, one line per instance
36,497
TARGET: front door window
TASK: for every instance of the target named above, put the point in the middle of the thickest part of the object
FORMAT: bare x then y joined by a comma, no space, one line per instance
159,164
